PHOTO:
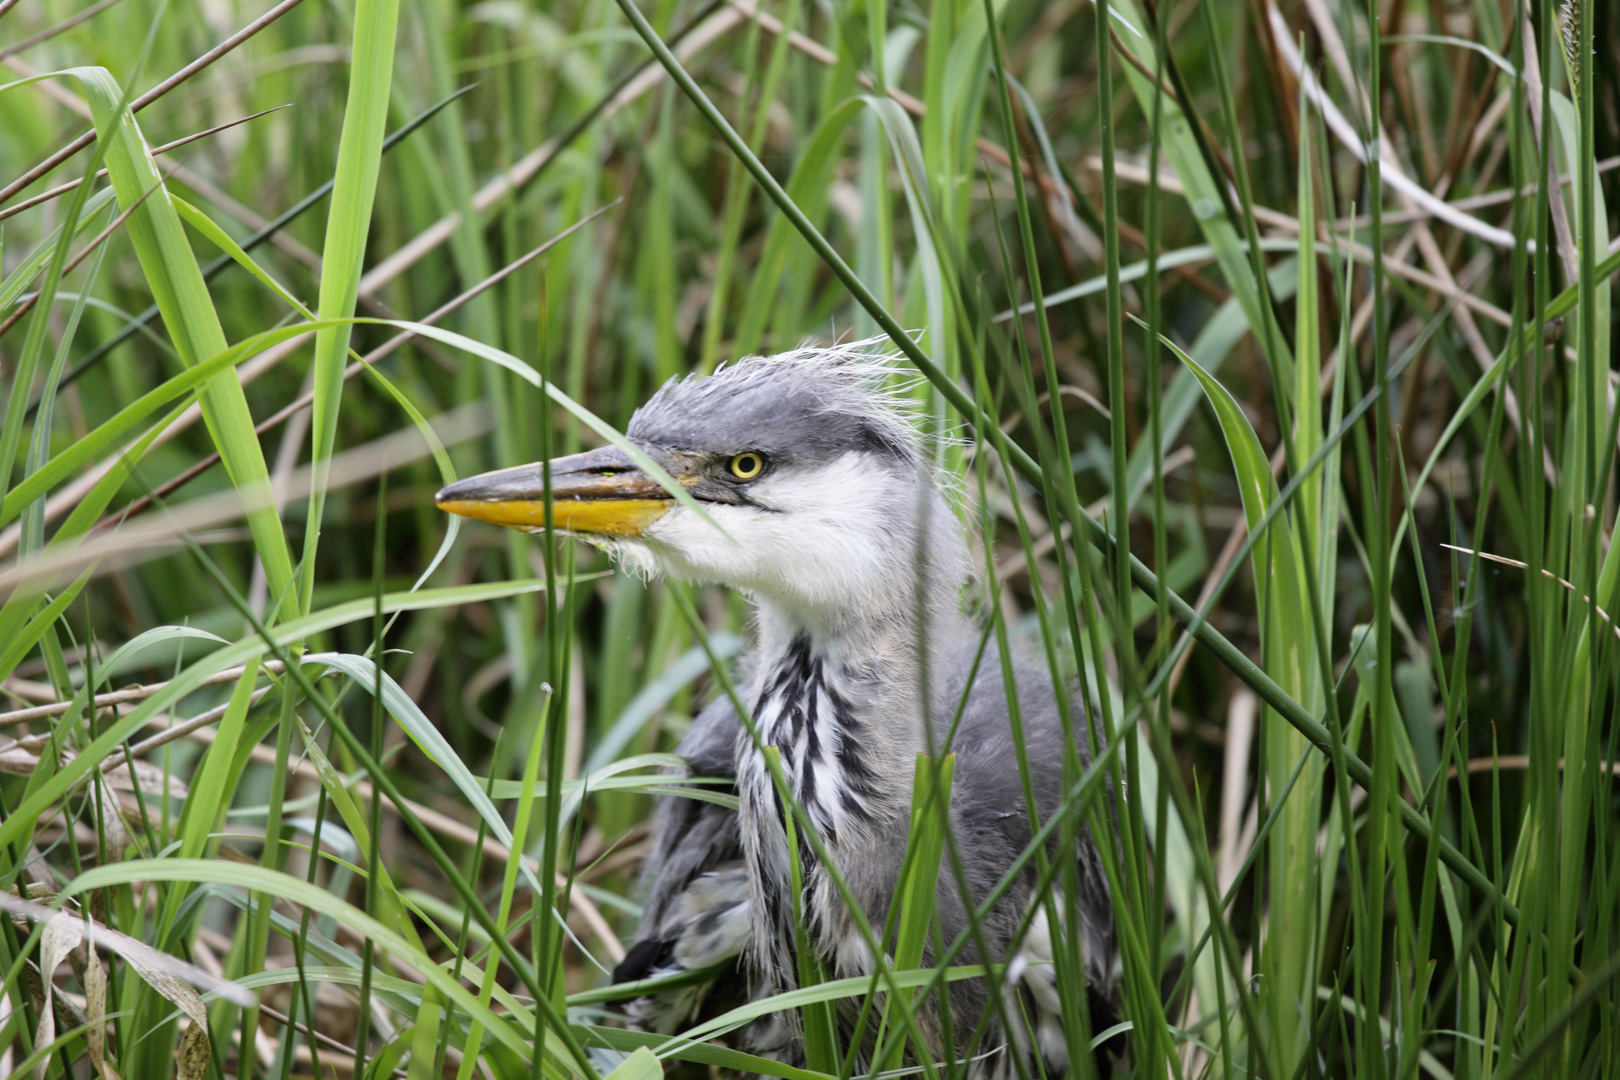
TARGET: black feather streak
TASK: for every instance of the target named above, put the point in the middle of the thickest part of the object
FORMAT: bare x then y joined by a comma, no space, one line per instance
806,710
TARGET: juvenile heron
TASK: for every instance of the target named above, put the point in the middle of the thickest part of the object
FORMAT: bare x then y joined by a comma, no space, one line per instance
835,523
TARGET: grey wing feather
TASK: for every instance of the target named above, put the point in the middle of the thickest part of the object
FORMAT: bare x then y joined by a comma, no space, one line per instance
991,823
988,802
696,912
690,836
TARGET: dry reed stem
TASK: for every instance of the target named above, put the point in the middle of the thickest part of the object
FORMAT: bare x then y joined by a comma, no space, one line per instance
124,696
179,77
1350,138
63,189
1548,574
146,538
60,28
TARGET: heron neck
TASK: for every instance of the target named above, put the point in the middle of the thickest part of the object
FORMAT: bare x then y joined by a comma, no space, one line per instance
842,701
884,642
862,682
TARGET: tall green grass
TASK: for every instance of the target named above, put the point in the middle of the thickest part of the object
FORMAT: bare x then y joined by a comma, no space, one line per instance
1282,371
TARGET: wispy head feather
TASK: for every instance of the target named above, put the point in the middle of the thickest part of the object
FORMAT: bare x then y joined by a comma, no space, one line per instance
811,403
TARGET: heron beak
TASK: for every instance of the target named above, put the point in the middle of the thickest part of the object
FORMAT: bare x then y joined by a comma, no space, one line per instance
600,492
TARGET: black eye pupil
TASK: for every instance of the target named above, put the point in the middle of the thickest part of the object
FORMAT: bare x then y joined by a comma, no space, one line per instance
746,466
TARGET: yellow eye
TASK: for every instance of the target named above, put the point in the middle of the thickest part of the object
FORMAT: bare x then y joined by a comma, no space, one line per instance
747,465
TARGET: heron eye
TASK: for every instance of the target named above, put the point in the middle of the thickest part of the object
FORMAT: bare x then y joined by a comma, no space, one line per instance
746,465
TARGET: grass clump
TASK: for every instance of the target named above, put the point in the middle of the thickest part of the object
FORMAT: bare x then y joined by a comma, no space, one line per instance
1304,306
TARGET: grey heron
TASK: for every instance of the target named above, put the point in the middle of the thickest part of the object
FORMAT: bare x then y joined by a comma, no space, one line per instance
821,505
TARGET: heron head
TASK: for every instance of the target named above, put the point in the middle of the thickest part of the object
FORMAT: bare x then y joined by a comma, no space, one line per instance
807,466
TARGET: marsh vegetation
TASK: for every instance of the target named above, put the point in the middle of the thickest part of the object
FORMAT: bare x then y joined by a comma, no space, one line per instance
1305,303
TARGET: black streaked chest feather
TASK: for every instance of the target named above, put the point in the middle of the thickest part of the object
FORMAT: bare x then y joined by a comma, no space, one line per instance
806,709
809,708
